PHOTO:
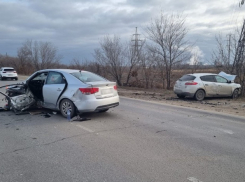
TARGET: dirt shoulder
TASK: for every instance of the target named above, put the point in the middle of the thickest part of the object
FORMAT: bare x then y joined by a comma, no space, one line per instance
222,105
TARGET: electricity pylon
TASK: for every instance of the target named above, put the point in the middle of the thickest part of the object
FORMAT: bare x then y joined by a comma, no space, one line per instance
137,43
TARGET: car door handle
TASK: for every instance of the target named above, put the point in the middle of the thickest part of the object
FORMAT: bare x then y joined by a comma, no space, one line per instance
58,89
206,84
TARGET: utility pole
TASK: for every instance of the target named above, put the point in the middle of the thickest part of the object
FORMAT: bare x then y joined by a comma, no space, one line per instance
229,48
136,43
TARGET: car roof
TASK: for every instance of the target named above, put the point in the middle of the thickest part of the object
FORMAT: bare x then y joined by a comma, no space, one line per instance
62,70
201,74
7,68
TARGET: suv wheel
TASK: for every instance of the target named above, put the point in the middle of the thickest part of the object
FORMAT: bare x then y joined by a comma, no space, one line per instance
199,95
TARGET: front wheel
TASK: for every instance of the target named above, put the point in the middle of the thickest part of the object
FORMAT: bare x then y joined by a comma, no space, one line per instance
235,94
66,105
199,95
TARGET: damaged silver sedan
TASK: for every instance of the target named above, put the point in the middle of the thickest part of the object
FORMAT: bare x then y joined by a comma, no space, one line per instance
64,90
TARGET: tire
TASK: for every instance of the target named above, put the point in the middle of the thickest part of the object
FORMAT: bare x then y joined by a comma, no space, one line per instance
199,95
67,104
104,110
235,94
1,78
180,96
16,78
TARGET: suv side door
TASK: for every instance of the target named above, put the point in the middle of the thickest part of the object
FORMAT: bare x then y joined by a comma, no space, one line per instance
224,87
209,83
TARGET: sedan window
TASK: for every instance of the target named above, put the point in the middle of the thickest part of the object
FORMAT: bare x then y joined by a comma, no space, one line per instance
55,78
41,76
220,79
87,76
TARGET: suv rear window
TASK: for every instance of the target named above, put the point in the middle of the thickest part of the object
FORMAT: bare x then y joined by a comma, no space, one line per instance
187,78
8,69
88,77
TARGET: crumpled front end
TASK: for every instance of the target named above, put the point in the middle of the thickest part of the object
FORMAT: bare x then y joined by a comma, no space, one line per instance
22,102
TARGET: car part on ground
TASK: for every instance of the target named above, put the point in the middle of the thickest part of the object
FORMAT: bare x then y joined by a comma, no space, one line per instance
62,90
201,85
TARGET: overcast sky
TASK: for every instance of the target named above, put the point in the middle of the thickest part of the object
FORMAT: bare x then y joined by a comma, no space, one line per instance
75,27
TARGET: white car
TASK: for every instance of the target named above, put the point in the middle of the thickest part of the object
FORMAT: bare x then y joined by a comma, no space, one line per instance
76,91
201,85
8,72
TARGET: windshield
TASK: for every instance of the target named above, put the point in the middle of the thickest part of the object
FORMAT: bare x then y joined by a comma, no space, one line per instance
88,77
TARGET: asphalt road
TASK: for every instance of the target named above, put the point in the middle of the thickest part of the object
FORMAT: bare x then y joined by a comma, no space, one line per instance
136,141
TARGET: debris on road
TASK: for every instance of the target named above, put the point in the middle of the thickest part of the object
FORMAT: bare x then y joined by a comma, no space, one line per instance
81,119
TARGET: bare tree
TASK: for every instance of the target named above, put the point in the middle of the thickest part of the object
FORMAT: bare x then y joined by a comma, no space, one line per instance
224,54
110,55
147,61
42,55
167,34
132,58
224,57
195,61
25,58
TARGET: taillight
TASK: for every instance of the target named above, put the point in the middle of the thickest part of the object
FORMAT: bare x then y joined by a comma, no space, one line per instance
88,91
14,71
115,87
191,83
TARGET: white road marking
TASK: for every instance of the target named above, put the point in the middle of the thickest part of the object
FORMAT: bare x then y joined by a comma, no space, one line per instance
84,128
192,179
227,131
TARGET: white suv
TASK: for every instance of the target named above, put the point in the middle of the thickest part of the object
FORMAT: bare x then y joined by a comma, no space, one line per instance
8,72
201,85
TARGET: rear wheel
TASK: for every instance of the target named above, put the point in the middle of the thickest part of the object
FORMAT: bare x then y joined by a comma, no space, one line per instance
180,96
66,105
235,94
199,95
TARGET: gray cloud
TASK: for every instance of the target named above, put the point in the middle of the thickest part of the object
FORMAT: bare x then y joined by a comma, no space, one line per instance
76,27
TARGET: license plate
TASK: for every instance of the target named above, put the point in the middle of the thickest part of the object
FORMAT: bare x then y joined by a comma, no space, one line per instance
106,91
10,74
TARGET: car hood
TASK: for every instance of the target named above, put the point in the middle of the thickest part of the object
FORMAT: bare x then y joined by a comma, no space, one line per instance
227,76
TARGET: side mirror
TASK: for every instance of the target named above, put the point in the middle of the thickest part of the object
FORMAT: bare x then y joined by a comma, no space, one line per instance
228,81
